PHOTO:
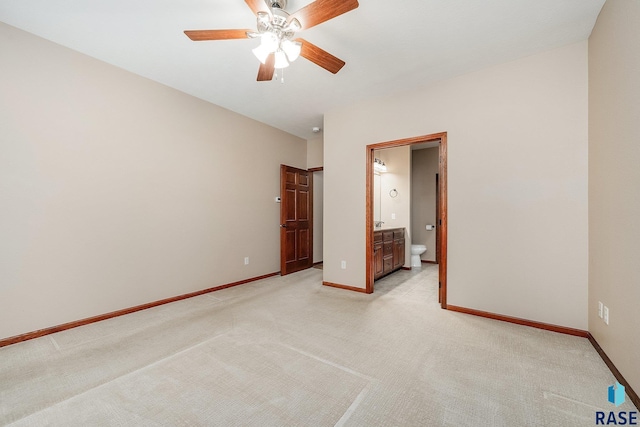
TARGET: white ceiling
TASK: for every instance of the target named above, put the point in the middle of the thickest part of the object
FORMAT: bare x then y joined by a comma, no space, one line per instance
389,47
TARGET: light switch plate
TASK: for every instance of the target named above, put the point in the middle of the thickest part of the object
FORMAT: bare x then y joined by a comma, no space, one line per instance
600,308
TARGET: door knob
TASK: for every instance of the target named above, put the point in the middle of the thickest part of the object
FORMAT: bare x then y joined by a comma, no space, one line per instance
283,225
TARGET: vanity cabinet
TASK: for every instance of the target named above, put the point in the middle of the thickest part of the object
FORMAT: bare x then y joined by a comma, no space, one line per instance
378,264
388,251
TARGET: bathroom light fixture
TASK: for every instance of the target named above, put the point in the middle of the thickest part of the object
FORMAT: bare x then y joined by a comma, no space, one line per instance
379,165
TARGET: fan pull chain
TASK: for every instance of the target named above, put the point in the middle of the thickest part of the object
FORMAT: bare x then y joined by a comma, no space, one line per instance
280,76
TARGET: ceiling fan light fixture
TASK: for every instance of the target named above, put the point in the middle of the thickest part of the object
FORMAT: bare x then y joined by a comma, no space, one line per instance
277,30
292,49
269,41
261,53
281,59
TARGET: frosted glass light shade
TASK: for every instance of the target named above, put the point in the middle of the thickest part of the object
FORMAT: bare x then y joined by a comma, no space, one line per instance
261,53
281,60
292,49
269,41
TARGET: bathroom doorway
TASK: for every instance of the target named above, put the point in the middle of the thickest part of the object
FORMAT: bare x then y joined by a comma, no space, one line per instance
439,140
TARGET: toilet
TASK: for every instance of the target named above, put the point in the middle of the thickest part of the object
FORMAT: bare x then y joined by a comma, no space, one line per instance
416,251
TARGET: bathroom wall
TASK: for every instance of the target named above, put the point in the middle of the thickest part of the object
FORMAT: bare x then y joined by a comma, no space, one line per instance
614,184
398,177
116,191
424,167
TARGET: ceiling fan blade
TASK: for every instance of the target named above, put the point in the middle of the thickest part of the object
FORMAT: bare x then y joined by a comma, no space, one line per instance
320,57
200,35
257,6
322,10
265,72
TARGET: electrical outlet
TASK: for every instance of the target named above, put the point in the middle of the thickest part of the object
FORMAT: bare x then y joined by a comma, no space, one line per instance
606,314
393,216
600,305
343,265
246,260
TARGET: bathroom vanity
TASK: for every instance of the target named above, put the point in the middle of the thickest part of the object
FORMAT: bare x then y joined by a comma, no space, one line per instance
388,251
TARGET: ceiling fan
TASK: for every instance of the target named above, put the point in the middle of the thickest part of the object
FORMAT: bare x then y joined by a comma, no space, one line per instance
276,29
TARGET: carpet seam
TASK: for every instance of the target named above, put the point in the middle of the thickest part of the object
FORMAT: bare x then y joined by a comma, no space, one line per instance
126,374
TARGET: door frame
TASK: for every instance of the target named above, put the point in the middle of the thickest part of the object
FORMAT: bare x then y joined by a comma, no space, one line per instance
314,218
441,228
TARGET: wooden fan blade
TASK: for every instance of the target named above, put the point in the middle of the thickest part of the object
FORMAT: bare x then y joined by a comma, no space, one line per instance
320,57
257,6
265,72
322,10
200,35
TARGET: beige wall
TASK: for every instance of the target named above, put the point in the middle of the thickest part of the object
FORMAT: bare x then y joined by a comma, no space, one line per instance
614,183
424,167
117,191
315,149
517,215
397,177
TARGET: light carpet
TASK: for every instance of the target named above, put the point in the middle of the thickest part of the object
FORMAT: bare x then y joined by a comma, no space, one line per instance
287,351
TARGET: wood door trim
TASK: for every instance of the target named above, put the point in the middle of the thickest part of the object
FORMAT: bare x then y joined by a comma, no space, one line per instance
349,288
633,396
53,329
519,321
440,228
319,169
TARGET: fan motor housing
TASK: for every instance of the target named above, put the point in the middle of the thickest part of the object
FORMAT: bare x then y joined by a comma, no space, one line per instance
277,4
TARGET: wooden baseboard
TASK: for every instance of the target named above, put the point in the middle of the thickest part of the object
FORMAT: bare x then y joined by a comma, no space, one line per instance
519,321
616,373
424,261
348,288
42,332
317,263
406,268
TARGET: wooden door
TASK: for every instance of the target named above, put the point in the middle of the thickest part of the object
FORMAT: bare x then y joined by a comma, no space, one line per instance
296,219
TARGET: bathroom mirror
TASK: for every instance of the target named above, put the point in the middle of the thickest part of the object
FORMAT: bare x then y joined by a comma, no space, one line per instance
377,200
